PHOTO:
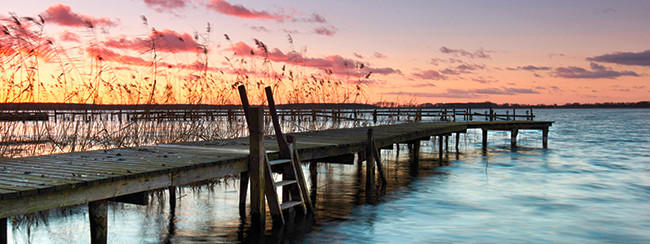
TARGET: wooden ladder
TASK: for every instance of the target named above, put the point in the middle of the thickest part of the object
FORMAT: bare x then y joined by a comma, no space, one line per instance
294,189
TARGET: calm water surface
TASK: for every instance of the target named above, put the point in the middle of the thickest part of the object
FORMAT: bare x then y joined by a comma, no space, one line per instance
591,185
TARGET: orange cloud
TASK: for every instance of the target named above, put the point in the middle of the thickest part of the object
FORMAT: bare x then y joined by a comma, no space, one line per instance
106,54
63,15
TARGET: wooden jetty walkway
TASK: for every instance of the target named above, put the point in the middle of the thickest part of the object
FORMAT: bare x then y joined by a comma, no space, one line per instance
32,184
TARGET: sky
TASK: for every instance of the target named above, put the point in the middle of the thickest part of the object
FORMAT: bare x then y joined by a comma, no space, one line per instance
428,51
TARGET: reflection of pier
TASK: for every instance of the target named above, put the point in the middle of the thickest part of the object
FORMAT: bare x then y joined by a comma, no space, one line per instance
32,184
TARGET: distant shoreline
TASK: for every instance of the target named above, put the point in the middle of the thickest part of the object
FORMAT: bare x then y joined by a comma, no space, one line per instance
483,105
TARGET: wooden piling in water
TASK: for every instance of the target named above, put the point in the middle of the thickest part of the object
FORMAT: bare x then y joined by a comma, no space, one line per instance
447,143
243,190
98,217
370,170
513,138
256,167
3,231
313,175
440,150
457,140
485,138
545,138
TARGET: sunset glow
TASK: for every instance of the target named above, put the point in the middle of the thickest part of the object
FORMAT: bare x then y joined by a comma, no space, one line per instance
198,51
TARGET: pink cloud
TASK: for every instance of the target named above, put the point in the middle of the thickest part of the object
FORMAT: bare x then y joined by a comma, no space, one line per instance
224,7
63,15
379,55
165,5
69,37
164,40
332,64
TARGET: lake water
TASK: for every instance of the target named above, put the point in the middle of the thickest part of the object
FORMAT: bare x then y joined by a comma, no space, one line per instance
591,185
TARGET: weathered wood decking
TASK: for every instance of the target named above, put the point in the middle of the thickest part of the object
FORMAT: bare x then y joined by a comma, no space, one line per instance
39,183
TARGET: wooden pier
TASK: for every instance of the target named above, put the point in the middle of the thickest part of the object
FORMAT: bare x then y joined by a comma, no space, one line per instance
32,184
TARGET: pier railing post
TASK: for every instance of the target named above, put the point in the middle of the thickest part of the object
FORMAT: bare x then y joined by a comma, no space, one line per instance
374,116
98,217
256,167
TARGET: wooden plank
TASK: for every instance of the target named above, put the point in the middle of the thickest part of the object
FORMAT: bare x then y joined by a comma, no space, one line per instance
93,192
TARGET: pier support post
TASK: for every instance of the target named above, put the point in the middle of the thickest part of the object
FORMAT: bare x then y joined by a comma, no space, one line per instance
256,167
414,153
440,150
172,200
370,170
545,138
313,175
457,141
243,190
3,231
447,144
98,216
513,138
485,138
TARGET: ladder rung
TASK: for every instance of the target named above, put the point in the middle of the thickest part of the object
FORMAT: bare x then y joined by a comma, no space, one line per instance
279,161
290,204
285,182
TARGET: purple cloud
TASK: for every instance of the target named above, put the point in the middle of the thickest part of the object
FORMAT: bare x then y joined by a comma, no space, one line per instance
480,53
429,75
471,93
597,72
530,68
326,30
624,58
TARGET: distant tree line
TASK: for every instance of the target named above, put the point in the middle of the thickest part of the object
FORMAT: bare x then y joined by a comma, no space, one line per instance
481,105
